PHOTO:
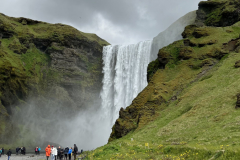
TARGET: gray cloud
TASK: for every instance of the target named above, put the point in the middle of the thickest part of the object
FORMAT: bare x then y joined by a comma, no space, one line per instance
118,22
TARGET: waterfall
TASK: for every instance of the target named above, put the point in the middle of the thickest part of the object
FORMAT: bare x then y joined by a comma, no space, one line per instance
125,75
125,71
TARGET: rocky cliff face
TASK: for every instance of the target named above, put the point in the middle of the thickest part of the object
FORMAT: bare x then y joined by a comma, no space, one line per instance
48,63
218,13
183,63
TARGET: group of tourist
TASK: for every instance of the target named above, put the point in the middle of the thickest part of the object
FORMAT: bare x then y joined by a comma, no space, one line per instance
9,153
53,152
21,150
37,150
60,153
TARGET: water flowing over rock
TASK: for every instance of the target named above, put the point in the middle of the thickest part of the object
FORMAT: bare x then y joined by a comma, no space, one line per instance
125,75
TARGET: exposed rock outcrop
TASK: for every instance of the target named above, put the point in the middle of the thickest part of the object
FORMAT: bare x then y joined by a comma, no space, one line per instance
218,13
238,102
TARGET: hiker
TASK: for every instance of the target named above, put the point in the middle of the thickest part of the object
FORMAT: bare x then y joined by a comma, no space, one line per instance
70,153
21,150
9,153
0,152
52,153
75,151
58,152
48,151
61,153
24,150
39,149
17,149
55,153
36,150
66,152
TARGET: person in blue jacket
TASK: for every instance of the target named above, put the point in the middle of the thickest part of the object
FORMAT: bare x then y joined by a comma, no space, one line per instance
39,149
70,153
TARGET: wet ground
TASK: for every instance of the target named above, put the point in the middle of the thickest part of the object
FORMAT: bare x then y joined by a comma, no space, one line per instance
25,157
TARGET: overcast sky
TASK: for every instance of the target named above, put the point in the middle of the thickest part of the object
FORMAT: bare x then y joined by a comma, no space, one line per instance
117,21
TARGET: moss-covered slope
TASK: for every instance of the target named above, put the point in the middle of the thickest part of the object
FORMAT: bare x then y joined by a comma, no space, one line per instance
189,110
46,62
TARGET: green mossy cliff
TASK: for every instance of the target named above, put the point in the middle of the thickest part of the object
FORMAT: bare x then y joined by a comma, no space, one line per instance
46,62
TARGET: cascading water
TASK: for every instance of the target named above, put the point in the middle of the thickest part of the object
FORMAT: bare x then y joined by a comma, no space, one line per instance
125,75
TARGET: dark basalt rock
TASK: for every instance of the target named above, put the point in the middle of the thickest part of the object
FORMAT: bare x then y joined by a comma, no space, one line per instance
218,13
237,64
232,45
5,34
186,53
238,101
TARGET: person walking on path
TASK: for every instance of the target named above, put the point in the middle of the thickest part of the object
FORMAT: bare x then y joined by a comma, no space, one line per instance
66,152
75,151
48,151
39,149
0,152
70,153
61,153
55,153
24,150
58,152
36,150
52,153
17,150
9,153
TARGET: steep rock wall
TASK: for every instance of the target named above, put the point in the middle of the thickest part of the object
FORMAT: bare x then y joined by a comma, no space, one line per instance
46,63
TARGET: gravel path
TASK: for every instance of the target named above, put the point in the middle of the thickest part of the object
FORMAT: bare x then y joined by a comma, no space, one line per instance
26,157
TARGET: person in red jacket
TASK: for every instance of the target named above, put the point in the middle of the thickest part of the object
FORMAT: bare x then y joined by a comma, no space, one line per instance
48,151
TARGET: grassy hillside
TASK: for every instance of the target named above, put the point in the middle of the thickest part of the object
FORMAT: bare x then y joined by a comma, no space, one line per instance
201,123
188,110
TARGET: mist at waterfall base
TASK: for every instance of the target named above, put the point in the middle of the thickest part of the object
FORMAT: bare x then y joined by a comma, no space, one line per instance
44,121
125,76
50,123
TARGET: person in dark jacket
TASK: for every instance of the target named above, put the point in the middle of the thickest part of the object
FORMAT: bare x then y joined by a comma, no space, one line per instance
17,149
9,153
2,151
58,152
75,151
66,152
24,150
61,153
